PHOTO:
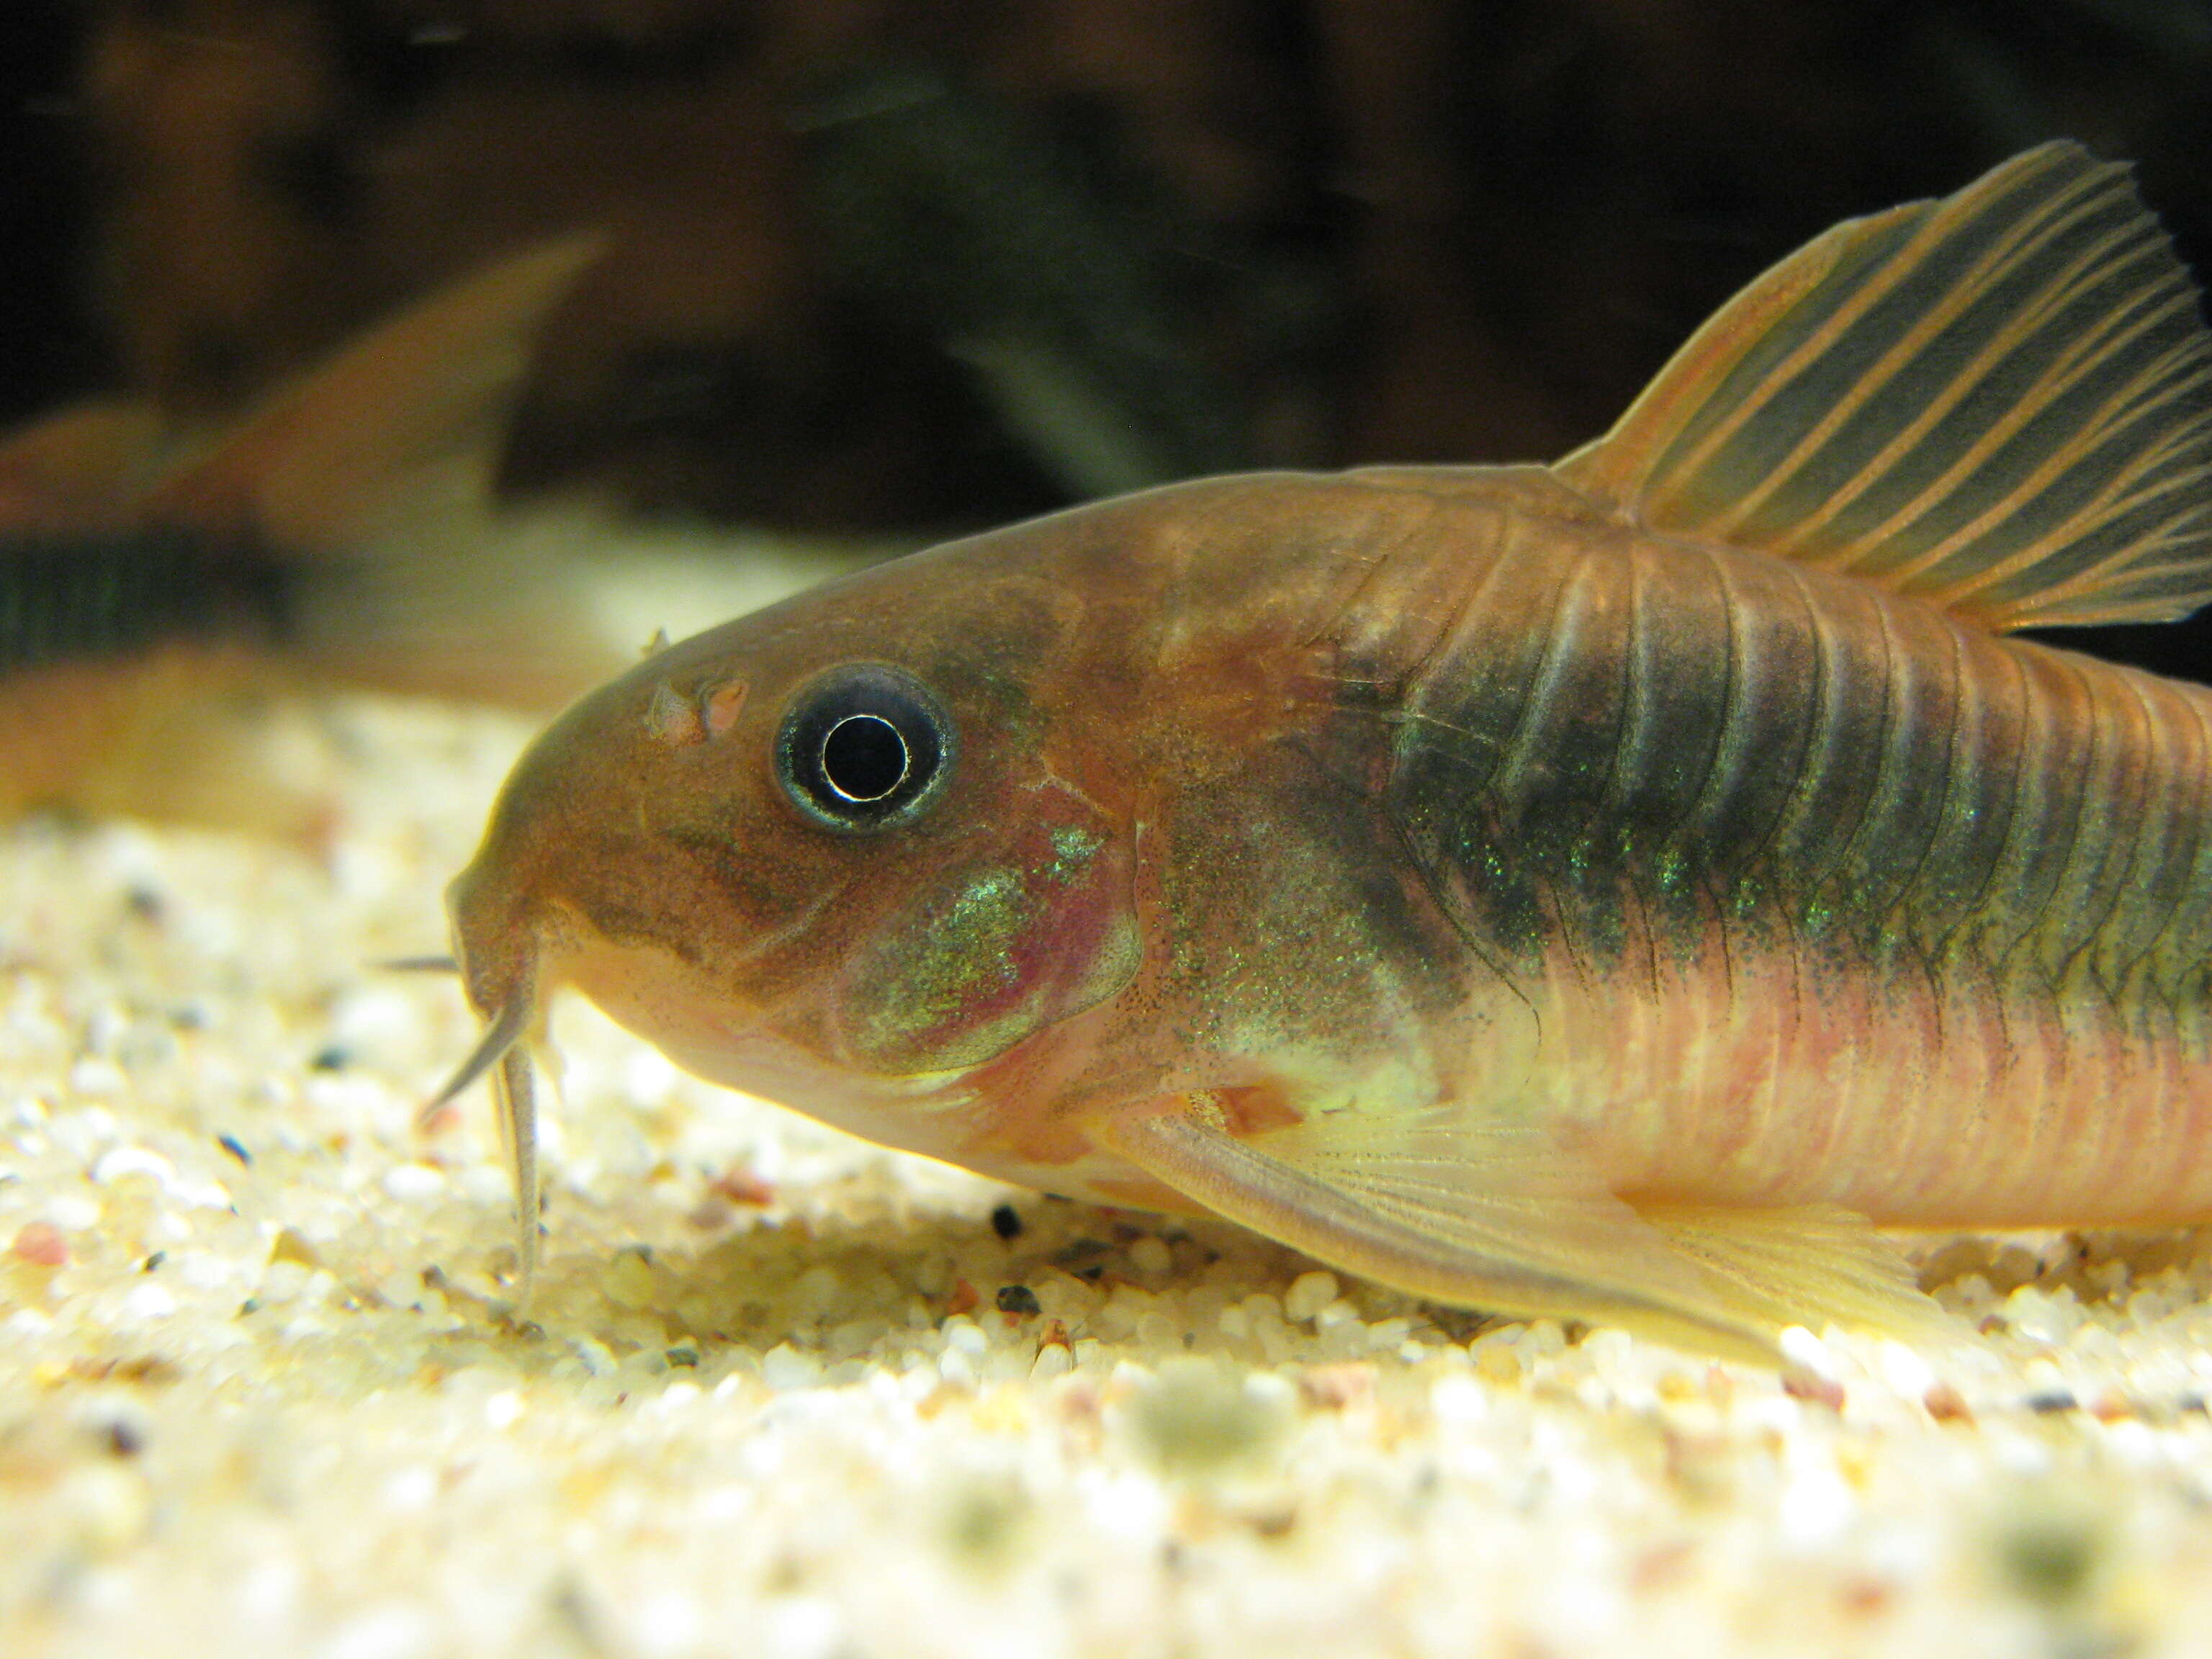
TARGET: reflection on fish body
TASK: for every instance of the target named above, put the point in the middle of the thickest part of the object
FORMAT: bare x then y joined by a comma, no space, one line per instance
1609,889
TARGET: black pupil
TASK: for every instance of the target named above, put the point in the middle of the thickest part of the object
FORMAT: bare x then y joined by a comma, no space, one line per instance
864,759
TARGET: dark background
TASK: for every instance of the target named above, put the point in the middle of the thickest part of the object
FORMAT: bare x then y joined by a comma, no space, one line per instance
913,264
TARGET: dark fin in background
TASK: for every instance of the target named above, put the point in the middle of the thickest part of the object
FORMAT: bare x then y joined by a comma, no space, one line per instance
150,581
343,450
1999,403
374,473
948,217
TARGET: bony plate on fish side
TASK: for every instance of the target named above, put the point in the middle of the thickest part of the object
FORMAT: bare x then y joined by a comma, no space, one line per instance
1619,889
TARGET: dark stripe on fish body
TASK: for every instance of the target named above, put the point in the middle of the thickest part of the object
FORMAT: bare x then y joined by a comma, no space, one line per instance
2106,833
2170,821
68,599
1743,792
2177,968
1907,781
1724,737
1459,718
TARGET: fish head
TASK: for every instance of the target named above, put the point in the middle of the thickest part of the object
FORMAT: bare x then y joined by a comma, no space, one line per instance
875,834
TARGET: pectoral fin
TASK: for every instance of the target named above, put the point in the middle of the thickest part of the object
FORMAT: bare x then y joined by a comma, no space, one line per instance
1485,1217
1494,1216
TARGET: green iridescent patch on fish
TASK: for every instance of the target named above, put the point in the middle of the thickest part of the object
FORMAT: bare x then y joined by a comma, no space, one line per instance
990,955
1746,898
958,955
1072,848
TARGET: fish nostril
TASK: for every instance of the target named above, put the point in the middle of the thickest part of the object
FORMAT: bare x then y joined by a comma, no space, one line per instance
864,759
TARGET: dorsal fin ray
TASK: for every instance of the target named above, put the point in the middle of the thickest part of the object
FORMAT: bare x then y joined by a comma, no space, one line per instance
1999,403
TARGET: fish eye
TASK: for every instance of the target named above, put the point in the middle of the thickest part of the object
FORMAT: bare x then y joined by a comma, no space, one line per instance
863,747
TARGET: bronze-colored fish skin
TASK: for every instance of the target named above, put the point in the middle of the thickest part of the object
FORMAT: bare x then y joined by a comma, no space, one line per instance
1771,890
1625,768
609,840
1462,876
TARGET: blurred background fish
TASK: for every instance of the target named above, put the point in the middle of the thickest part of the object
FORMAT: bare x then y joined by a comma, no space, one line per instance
887,268
153,575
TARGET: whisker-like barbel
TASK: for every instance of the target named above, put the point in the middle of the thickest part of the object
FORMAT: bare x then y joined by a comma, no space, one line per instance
518,1121
507,1028
503,1051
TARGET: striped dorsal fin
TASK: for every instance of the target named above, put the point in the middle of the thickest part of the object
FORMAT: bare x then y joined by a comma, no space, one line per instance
1999,403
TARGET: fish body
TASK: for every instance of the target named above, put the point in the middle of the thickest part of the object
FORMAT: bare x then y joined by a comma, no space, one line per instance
1611,889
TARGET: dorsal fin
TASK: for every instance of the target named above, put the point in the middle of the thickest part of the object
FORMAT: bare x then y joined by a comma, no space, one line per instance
1999,403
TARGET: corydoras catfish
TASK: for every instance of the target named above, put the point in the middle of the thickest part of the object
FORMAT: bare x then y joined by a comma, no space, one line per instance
1612,889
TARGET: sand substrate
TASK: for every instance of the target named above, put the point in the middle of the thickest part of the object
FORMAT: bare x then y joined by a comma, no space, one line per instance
263,1389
